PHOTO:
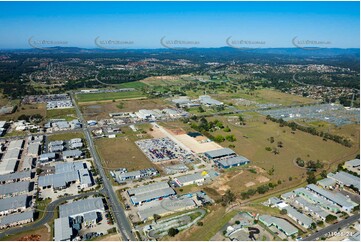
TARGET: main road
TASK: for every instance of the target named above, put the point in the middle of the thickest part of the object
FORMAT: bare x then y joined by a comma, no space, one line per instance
121,219
333,227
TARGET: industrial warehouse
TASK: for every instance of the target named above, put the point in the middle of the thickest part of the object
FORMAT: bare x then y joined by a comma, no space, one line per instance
150,192
226,158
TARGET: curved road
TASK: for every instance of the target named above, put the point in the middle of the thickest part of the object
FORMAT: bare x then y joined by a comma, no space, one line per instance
48,215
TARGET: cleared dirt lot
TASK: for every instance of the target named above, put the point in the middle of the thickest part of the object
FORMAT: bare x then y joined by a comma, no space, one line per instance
196,146
101,110
121,152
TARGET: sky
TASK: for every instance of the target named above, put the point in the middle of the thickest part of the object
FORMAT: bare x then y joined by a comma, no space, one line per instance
197,24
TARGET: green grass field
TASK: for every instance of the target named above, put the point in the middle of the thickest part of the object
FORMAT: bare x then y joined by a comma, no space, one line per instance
66,136
91,97
67,114
136,85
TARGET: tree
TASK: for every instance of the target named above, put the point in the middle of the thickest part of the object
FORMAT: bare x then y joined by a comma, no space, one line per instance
200,109
271,139
330,218
324,174
280,144
219,138
228,197
283,211
227,129
231,138
311,178
237,222
156,217
200,223
172,232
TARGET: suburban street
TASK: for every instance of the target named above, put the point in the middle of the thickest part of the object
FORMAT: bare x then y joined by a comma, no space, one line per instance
48,215
333,227
121,219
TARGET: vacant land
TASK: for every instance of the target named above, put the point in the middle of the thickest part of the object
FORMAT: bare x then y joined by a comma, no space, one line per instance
41,234
101,110
66,113
122,152
138,85
212,223
65,136
91,97
26,109
265,96
254,137
163,80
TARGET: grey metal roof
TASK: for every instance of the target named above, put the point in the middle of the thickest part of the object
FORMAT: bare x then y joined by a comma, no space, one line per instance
47,156
345,178
12,154
293,213
15,176
326,182
189,178
58,180
81,206
72,153
33,149
315,198
13,202
274,200
337,198
312,207
288,228
55,143
148,188
353,163
221,152
28,163
12,188
85,177
18,217
16,144
88,217
63,167
234,161
152,195
62,229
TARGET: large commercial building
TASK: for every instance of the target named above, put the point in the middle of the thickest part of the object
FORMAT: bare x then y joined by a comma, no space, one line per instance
13,189
67,173
10,159
281,224
300,218
317,200
14,204
336,198
15,177
345,179
16,219
353,165
62,229
232,162
220,153
312,208
150,192
189,179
